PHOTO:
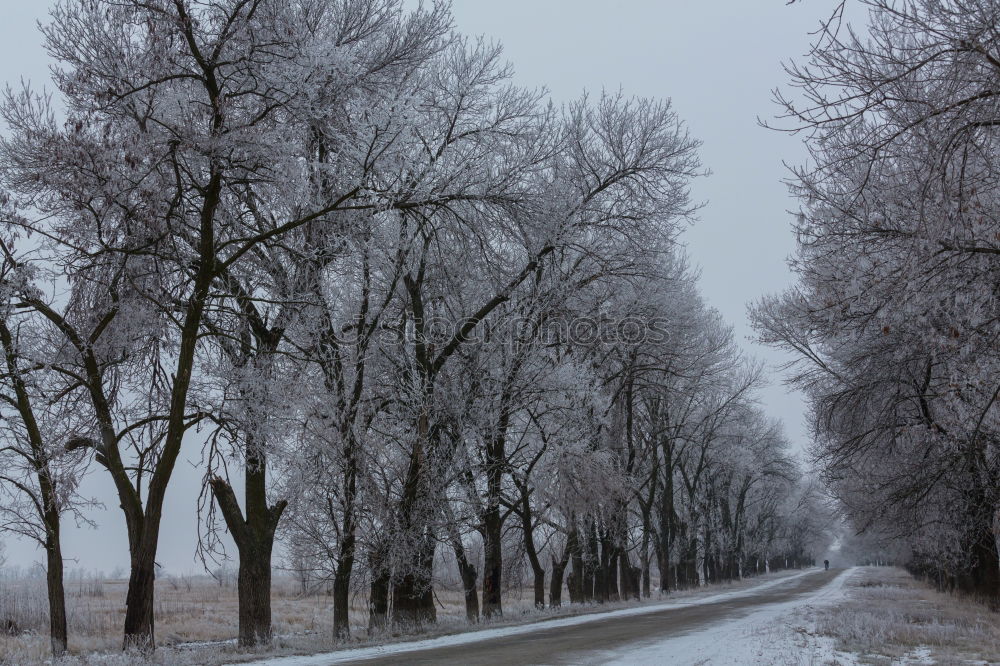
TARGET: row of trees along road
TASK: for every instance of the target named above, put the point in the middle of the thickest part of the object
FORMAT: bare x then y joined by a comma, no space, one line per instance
420,310
894,319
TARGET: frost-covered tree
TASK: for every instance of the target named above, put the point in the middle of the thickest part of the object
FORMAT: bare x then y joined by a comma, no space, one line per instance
39,478
407,301
185,144
894,317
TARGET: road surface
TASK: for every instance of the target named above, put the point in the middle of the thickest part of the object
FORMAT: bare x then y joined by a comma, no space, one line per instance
599,638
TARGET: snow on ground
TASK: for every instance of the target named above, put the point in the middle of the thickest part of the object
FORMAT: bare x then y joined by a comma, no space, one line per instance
775,634
343,656
922,655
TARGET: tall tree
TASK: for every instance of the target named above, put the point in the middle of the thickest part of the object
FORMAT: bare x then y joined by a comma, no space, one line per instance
893,320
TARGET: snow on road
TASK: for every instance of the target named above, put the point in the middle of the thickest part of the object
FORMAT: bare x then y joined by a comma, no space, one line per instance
728,636
775,634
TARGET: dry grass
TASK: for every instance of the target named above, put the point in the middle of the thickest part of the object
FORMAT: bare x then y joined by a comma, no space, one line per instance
188,609
889,617
196,620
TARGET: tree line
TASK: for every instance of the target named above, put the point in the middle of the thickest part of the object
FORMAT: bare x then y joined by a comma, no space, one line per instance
893,321
413,311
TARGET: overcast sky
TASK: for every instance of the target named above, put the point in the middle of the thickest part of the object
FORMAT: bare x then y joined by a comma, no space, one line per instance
717,61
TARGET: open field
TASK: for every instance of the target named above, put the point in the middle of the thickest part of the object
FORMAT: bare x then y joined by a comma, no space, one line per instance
196,619
189,609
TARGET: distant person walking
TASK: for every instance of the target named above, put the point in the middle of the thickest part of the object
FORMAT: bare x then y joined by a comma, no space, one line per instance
826,565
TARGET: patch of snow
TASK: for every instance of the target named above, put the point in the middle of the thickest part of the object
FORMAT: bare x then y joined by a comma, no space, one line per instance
922,655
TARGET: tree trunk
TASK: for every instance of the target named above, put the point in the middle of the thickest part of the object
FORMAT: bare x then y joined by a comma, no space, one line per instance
139,602
668,527
556,584
644,552
592,583
663,565
254,539
492,563
492,521
50,500
406,593
575,582
57,594
378,597
254,586
345,558
468,572
342,601
701,556
469,579
601,566
413,593
527,529
539,588
611,577
983,578
629,577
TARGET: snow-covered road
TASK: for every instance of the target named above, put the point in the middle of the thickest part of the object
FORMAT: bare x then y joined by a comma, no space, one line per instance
768,634
724,628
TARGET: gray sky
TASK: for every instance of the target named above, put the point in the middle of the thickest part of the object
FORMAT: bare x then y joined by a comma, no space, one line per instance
717,61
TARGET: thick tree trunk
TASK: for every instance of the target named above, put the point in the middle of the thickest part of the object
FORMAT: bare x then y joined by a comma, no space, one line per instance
539,588
406,601
492,563
629,576
54,565
342,601
254,586
492,520
413,593
254,537
57,594
345,564
139,630
412,589
983,578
